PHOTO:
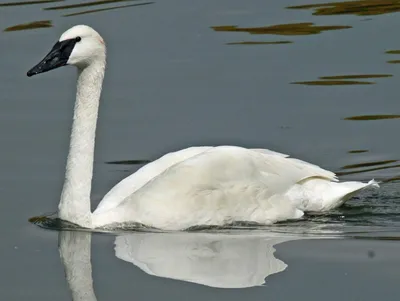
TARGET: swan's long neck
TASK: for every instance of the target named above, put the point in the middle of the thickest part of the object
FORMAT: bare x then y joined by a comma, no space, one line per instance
75,198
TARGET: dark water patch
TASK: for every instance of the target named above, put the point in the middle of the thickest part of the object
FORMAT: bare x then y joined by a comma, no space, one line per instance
356,76
333,83
86,4
360,7
393,51
129,162
394,62
291,29
20,3
259,43
358,151
31,25
105,9
368,164
371,117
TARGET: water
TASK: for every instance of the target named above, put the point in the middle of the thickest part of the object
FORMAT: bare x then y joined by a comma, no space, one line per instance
252,73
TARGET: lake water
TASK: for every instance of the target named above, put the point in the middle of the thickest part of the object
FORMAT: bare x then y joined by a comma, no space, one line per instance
184,73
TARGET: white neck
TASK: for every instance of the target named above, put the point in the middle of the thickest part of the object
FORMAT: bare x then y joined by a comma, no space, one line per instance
75,198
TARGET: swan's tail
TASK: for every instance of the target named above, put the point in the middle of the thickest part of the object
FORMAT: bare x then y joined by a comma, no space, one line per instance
319,195
341,192
356,187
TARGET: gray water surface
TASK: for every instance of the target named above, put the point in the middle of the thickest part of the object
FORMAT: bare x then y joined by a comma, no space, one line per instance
184,73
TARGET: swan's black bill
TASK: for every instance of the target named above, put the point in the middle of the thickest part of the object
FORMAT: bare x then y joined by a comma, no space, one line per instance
57,57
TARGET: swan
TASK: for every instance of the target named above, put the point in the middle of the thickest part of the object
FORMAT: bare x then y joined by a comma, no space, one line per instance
195,186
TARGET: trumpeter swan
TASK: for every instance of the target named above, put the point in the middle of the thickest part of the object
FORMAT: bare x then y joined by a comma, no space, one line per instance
193,186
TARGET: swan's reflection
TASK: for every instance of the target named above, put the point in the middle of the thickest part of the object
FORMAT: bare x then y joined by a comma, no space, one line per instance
74,250
218,260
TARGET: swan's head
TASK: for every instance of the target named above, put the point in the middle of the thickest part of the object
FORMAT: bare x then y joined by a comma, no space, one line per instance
79,46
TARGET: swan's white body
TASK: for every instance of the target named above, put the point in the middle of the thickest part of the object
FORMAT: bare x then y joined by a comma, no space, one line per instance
194,186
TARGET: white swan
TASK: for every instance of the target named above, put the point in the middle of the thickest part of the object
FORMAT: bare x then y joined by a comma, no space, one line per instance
193,186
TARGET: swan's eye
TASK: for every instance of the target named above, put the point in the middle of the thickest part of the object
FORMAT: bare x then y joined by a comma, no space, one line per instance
78,39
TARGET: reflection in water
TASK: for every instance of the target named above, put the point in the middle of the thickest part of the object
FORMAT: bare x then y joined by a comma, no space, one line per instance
367,167
361,7
332,83
259,43
31,25
372,117
392,179
291,29
223,260
28,2
86,4
129,162
368,164
367,170
216,260
342,80
393,52
355,76
105,9
48,23
74,248
358,151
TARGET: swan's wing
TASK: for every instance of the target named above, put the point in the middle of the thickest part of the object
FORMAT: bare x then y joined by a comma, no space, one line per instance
231,163
136,180
327,174
220,185
132,183
268,152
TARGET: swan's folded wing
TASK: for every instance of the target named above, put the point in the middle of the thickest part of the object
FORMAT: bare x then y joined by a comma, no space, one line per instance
312,168
225,176
218,186
136,180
